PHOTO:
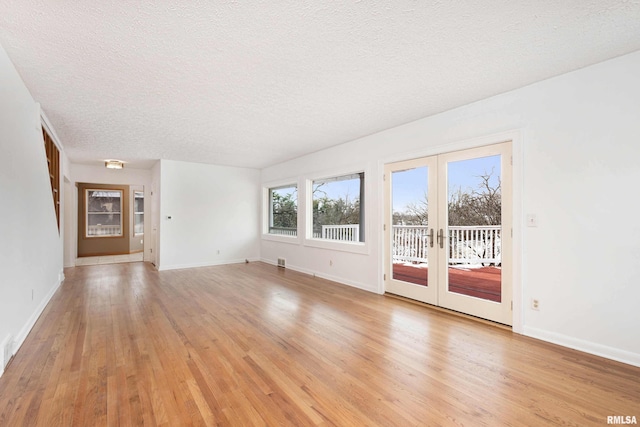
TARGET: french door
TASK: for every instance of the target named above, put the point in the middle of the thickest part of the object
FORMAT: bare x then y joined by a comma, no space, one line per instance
448,230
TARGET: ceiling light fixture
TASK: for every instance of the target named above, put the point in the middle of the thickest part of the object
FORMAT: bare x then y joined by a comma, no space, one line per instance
113,164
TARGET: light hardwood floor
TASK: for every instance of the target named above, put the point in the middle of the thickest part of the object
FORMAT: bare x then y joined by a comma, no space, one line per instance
251,344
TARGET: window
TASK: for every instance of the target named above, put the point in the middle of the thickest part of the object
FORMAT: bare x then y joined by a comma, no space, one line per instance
104,213
138,213
283,210
337,213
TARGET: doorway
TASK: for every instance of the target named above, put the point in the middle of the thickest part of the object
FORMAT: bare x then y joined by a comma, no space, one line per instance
448,238
111,221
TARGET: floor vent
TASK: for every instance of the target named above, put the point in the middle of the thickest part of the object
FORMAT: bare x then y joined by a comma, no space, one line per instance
281,262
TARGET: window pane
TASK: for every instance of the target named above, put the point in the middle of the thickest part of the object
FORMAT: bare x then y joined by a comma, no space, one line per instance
138,213
104,213
103,219
139,224
138,202
336,208
283,215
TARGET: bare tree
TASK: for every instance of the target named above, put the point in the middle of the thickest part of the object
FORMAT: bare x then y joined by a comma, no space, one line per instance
416,213
479,206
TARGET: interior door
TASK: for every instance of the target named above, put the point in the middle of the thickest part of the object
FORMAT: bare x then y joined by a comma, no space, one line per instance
448,241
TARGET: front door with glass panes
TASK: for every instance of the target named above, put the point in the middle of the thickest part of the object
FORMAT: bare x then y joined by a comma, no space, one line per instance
448,230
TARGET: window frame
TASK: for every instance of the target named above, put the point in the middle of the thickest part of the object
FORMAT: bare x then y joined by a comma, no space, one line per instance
267,210
137,213
86,214
360,247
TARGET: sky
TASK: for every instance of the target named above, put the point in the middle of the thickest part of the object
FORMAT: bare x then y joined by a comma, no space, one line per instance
341,189
410,185
333,189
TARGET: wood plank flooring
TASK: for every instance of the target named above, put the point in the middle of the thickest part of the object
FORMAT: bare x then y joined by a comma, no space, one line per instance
251,344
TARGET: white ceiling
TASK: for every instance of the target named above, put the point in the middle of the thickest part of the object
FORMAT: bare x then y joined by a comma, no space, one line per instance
254,83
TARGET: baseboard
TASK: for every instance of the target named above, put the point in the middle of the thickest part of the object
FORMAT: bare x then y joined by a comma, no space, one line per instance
205,264
22,335
585,346
6,344
336,279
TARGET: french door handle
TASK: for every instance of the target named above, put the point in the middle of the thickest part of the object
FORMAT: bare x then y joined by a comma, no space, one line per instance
431,238
441,238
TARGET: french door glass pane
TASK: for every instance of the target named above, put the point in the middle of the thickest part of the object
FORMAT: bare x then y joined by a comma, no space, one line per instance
474,227
409,235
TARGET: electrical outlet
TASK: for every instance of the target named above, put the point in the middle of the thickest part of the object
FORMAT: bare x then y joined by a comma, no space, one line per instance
535,304
330,263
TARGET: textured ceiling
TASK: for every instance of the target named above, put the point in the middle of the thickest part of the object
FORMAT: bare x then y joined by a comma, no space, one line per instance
254,83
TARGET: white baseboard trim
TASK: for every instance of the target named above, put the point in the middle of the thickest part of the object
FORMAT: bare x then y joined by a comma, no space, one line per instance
205,264
6,343
336,279
585,346
24,332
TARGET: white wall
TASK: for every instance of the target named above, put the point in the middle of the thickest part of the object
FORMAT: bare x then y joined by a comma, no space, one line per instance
154,237
31,254
101,175
214,212
576,167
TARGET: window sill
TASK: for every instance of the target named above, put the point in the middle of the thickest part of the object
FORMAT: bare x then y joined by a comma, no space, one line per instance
295,240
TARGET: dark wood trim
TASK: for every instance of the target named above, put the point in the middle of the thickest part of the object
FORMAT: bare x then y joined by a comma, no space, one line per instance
53,165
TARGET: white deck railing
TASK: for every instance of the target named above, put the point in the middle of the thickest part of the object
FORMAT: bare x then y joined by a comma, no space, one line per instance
344,233
104,230
467,244
410,243
283,231
479,244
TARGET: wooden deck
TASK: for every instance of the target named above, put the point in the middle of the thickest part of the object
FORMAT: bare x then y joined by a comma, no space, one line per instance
254,345
481,282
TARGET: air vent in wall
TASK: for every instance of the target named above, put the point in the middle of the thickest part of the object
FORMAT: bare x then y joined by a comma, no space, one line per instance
281,262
